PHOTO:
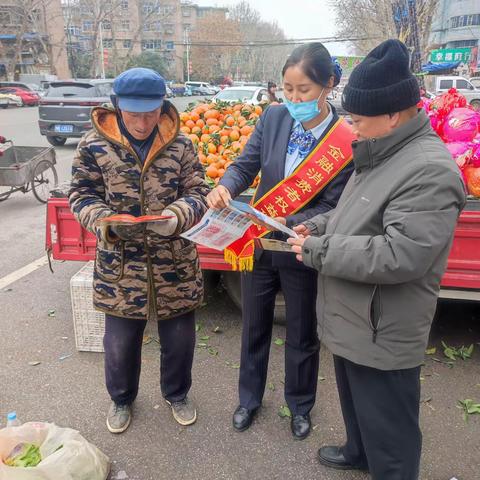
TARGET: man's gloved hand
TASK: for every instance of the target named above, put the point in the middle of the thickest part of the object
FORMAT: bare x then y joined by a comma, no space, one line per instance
127,232
165,228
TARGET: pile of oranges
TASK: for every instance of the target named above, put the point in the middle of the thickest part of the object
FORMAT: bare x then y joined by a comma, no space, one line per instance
219,132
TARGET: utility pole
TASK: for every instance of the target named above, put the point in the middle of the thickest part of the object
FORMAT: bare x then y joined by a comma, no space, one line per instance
102,58
187,41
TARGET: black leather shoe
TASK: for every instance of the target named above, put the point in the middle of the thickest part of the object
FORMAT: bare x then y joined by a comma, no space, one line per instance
333,457
301,426
243,418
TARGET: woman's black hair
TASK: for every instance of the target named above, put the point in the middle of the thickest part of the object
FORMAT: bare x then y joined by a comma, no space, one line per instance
315,61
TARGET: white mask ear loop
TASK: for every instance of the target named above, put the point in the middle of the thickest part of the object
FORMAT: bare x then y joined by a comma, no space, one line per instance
318,99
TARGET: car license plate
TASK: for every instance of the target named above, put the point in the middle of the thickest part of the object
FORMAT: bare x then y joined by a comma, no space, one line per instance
64,128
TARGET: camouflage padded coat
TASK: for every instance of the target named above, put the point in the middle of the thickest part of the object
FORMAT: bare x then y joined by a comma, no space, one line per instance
151,275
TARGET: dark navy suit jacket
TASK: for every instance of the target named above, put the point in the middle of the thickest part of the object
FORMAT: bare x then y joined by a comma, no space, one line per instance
266,151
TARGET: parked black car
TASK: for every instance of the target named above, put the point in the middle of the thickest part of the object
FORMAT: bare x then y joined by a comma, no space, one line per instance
64,111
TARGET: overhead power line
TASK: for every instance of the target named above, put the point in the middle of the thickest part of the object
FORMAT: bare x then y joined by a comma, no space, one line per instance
274,43
253,44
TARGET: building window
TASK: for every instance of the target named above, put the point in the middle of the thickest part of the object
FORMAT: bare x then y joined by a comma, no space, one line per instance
87,25
151,44
35,15
168,9
125,25
106,25
150,7
169,45
73,30
107,43
186,12
463,44
127,43
169,28
465,21
5,16
152,26
124,4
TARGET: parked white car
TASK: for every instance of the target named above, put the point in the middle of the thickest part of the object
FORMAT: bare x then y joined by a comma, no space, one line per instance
251,95
202,88
442,83
7,99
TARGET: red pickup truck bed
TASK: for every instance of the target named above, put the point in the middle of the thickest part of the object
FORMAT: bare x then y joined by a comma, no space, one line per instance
67,240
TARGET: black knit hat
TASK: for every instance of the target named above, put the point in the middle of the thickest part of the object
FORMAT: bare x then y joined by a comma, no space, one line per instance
382,83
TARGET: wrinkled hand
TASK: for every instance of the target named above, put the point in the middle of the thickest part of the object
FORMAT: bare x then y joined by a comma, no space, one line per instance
297,245
302,231
127,232
219,198
255,220
165,228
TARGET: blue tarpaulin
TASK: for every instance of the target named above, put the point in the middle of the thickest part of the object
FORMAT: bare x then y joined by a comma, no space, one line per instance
26,36
439,67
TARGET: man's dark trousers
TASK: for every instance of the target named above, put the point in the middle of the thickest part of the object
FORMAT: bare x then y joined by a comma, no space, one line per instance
259,289
123,349
380,409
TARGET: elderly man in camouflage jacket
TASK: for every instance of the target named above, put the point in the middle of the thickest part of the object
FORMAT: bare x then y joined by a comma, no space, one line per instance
136,162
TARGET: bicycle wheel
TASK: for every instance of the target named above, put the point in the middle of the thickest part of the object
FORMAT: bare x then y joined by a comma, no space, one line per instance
45,178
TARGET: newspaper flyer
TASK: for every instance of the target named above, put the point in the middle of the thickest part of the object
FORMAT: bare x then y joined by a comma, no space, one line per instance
218,228
246,208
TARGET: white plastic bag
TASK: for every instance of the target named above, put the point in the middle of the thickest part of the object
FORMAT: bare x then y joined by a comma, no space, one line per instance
76,460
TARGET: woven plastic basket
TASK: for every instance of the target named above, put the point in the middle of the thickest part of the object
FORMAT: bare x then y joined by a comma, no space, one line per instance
89,324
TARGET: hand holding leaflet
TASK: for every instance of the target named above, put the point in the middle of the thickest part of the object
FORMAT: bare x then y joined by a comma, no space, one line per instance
265,219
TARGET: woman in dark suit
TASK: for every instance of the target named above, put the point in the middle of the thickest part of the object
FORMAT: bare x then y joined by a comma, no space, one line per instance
283,149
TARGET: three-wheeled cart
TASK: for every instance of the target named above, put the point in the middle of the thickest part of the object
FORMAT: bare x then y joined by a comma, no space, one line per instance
27,168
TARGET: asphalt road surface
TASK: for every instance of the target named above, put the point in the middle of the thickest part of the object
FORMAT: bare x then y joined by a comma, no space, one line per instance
67,386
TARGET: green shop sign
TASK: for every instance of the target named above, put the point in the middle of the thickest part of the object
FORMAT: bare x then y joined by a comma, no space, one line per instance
451,55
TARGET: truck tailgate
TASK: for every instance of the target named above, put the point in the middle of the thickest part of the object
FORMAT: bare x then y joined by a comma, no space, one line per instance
67,240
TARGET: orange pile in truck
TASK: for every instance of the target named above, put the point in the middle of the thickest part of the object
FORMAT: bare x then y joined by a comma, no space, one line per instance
219,132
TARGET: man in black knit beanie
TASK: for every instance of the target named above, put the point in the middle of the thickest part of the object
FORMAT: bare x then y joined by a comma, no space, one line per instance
381,254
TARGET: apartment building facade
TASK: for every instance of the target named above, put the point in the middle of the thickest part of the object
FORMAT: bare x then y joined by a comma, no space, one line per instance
112,31
32,41
456,24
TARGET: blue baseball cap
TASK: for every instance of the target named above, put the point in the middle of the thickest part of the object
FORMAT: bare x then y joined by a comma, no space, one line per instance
139,90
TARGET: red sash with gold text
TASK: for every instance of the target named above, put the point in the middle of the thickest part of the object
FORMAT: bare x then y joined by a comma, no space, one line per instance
320,167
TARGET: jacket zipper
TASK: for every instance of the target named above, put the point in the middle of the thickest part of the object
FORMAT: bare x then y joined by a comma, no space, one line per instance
374,313
151,291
